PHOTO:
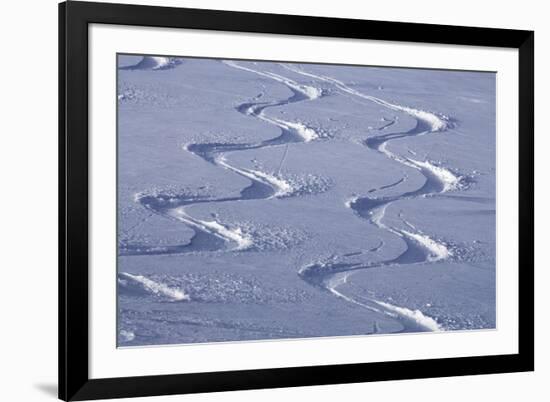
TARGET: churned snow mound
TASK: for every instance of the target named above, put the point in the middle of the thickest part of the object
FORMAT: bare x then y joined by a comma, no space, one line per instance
449,180
155,288
235,234
414,315
154,63
437,251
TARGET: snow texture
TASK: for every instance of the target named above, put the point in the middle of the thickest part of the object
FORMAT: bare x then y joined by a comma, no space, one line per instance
263,200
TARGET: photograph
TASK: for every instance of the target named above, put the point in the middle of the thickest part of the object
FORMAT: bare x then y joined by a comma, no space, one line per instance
212,201
262,200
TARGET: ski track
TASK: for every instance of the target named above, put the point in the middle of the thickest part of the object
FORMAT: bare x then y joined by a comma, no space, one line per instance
211,235
328,275
421,248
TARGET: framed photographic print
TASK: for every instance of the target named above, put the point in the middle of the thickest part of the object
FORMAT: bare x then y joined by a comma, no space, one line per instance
257,201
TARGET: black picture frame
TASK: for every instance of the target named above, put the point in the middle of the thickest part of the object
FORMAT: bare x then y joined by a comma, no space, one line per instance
74,381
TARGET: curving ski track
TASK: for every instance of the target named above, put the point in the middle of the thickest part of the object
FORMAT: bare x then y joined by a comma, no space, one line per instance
330,275
212,235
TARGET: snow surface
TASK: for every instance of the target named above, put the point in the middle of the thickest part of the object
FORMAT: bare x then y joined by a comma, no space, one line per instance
262,200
